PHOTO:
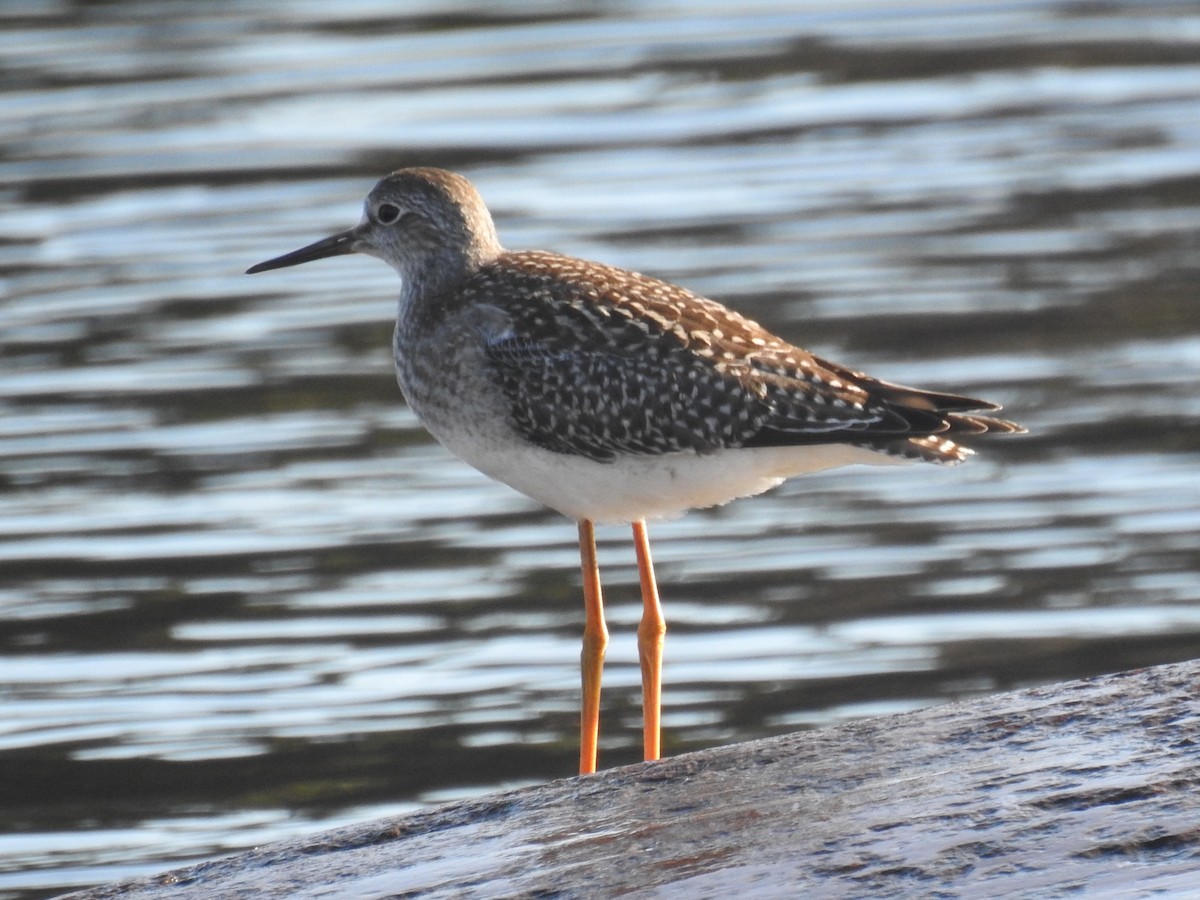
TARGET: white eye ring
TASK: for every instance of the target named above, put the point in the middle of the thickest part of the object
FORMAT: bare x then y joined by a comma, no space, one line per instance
387,213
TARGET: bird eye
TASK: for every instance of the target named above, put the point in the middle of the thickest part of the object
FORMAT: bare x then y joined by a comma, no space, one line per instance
387,213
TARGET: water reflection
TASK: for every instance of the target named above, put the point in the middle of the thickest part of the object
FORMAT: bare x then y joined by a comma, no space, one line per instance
242,596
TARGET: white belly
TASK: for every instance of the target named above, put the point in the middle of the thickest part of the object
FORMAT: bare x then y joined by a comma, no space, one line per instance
468,415
649,487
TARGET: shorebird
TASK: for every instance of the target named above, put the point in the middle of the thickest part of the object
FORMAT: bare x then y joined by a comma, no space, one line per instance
614,397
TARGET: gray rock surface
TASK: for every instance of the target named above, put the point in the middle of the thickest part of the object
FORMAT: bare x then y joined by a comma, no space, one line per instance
1086,787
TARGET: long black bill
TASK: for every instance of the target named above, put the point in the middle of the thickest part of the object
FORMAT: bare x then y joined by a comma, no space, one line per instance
337,245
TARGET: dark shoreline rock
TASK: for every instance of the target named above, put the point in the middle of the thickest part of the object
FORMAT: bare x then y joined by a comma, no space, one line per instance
1086,786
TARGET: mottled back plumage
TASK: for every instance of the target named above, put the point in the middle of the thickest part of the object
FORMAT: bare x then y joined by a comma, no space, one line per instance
598,361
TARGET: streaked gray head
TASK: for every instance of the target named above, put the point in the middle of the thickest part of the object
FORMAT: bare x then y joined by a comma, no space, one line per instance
430,225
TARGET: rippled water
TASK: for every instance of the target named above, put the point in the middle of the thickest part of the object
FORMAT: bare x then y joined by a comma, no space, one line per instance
242,594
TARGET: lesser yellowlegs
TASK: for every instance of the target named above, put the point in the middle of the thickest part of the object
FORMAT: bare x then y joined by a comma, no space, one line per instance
613,397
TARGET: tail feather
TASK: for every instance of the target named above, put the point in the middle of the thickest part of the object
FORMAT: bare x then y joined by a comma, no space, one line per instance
940,447
970,424
909,422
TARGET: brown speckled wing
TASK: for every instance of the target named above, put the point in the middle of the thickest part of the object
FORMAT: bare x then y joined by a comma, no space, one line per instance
597,361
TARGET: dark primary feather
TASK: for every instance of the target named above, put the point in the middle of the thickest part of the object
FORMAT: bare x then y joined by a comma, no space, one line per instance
597,361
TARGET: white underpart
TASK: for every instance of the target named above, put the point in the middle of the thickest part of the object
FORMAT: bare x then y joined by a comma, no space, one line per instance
652,487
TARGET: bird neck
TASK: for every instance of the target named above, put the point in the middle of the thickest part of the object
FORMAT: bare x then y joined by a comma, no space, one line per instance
440,274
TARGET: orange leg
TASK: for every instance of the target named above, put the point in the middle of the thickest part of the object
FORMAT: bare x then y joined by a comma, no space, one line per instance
651,634
595,641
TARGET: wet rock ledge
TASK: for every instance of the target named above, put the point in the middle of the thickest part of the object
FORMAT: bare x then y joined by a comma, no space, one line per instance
1088,786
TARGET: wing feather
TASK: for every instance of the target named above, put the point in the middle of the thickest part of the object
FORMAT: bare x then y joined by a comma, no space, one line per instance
599,362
